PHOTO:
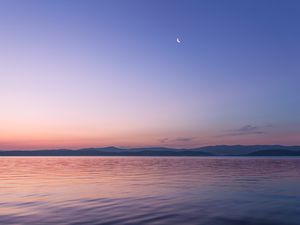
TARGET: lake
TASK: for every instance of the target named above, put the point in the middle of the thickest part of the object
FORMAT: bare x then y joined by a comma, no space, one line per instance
150,190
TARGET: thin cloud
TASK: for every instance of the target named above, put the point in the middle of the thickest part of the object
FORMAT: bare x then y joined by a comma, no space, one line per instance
179,139
163,140
184,139
245,130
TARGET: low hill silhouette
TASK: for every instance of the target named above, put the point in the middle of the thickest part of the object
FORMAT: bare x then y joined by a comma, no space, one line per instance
276,152
219,150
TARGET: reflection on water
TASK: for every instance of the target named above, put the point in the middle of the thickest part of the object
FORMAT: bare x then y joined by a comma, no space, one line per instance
137,190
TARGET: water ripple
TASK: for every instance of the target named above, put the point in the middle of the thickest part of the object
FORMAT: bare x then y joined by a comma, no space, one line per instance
151,190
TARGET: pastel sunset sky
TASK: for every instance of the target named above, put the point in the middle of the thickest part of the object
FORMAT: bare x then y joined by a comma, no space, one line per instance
77,73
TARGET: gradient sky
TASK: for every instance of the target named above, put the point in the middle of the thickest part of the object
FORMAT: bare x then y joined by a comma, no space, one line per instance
100,73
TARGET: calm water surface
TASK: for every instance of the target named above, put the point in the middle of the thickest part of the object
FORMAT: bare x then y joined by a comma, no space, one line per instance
158,190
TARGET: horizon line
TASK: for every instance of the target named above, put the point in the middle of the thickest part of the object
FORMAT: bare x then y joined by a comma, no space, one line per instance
129,148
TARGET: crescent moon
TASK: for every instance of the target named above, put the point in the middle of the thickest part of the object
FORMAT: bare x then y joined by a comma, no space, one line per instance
178,41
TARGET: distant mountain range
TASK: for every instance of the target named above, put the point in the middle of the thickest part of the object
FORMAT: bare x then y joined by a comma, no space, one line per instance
219,150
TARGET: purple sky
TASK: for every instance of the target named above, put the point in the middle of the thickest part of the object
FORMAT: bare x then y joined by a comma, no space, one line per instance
96,73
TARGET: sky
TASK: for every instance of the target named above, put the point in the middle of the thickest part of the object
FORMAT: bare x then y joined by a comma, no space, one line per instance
89,73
